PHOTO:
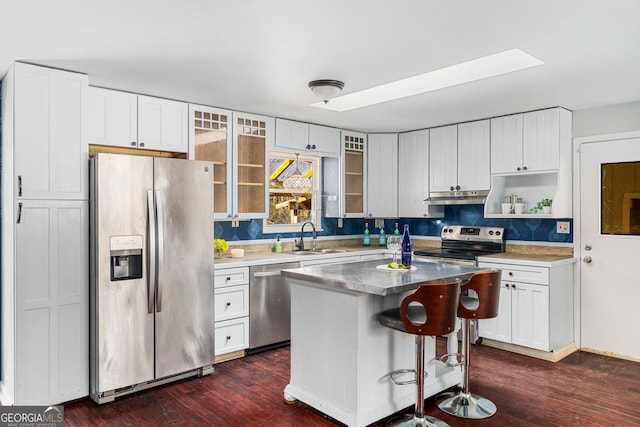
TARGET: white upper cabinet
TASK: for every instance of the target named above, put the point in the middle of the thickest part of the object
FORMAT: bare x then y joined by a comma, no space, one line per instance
413,176
473,155
459,157
324,140
528,142
307,138
531,158
49,133
292,135
122,119
113,118
382,176
162,124
443,158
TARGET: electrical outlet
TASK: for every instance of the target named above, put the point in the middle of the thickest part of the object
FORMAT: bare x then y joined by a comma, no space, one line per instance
562,227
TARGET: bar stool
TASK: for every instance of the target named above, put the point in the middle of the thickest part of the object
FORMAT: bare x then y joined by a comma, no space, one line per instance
464,404
429,311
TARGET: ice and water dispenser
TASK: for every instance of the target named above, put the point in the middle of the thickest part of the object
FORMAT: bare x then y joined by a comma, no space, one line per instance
126,257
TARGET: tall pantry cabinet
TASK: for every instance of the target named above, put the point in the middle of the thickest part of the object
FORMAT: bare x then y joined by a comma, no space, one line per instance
45,327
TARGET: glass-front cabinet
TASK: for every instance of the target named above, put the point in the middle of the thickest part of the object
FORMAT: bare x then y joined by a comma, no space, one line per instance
251,135
209,139
344,192
236,144
354,154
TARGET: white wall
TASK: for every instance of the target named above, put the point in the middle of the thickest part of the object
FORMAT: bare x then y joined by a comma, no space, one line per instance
615,118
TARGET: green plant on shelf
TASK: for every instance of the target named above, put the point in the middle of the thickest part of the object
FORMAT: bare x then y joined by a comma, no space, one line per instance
539,207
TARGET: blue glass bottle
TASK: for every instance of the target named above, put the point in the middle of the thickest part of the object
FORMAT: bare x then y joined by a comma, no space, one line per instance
406,246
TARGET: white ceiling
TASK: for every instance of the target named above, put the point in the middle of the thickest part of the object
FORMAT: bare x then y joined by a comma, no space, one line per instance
259,55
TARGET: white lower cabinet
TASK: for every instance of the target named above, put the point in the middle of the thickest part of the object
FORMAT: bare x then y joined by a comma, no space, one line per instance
231,309
51,357
536,305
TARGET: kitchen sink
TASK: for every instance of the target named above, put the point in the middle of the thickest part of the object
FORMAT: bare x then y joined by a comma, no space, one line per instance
317,251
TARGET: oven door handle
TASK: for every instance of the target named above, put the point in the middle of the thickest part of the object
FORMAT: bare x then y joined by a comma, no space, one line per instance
452,261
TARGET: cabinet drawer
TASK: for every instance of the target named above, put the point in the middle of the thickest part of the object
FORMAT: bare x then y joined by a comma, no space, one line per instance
231,277
232,335
520,273
231,302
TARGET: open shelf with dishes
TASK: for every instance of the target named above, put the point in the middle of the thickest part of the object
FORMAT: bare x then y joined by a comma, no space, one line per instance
530,189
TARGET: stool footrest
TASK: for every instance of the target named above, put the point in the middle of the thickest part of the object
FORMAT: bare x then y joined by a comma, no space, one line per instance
395,376
458,356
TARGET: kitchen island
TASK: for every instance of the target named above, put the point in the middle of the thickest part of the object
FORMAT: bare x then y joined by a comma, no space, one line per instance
341,357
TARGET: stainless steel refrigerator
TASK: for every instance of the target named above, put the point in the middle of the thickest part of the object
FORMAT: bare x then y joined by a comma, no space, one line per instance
152,309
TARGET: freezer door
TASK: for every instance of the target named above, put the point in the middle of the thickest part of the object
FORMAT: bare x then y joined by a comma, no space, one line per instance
122,327
184,300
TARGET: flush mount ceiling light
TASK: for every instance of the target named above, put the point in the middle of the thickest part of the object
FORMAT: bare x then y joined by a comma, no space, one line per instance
476,69
326,89
296,182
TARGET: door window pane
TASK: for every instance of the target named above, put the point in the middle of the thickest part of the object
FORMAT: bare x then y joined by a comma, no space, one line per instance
620,195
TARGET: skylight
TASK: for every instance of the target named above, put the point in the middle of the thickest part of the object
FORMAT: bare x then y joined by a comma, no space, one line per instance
465,72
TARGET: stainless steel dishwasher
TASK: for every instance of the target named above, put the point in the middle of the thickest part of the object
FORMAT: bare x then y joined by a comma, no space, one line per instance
269,306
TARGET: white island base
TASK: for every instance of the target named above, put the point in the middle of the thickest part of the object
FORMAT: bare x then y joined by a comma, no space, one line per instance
341,357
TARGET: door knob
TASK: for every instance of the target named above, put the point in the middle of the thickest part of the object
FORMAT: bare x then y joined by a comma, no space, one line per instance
587,259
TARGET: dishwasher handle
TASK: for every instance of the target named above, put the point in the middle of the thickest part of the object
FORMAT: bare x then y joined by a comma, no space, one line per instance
266,273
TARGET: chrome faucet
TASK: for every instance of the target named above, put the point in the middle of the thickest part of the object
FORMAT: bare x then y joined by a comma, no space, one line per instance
300,243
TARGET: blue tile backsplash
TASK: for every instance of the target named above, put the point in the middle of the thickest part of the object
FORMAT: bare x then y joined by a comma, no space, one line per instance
527,230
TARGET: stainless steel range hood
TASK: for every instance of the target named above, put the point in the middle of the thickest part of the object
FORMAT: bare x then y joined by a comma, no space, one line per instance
457,198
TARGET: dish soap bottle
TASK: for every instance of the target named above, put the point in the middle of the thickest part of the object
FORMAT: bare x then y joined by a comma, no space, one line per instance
278,246
396,232
382,237
406,247
366,238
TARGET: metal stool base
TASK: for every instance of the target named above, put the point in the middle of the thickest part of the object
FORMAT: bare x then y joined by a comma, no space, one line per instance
470,406
410,420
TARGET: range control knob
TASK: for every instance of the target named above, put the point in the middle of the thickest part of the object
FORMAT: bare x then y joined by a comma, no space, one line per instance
498,233
490,232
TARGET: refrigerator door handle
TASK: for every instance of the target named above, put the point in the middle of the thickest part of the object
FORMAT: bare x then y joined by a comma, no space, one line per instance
151,284
160,213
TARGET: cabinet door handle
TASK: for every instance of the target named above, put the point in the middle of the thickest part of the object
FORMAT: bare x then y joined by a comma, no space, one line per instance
451,188
506,285
228,304
308,147
19,185
510,273
313,147
133,143
142,144
457,187
228,337
19,213
524,168
518,168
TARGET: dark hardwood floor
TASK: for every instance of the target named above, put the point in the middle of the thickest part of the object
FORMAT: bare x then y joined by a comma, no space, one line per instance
582,390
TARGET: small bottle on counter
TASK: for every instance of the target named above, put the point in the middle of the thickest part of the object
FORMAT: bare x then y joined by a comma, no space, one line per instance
366,238
382,237
396,232
406,247
277,248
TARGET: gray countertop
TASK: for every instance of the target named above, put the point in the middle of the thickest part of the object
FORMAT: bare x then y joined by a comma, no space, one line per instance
364,277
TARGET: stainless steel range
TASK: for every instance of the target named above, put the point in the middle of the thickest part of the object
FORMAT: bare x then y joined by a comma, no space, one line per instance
462,245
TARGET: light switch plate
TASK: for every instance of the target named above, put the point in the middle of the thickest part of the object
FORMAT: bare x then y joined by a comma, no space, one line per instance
562,227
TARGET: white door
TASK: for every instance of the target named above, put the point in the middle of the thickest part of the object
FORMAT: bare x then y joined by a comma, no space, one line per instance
609,246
